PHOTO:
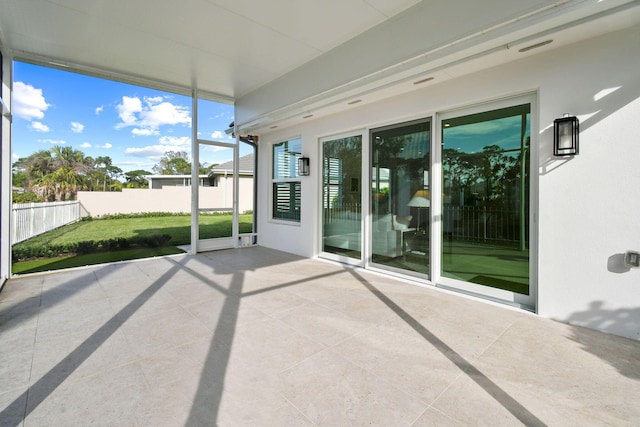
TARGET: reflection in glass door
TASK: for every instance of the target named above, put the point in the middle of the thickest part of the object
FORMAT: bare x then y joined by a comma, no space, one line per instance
400,201
342,197
485,202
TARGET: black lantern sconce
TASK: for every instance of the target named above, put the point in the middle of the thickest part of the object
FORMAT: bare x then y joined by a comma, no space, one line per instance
565,136
303,166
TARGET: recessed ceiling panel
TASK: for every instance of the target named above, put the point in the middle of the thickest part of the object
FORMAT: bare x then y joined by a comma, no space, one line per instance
229,47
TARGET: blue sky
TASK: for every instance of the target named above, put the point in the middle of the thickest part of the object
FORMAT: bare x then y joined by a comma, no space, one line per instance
133,125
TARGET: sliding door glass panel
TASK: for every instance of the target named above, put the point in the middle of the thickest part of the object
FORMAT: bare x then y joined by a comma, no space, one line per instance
400,201
342,197
215,191
485,210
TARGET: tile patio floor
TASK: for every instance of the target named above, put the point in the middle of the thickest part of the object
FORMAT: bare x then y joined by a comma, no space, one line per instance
255,337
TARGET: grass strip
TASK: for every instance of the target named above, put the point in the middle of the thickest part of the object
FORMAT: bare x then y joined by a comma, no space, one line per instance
58,263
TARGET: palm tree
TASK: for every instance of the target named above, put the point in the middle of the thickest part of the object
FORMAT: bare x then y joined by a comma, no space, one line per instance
58,174
63,184
35,167
67,157
103,163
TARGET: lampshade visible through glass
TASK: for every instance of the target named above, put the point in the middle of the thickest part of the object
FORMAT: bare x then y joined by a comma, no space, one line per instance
420,199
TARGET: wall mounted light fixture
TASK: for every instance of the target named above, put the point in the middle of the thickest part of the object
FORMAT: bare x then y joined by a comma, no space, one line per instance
632,259
565,136
304,168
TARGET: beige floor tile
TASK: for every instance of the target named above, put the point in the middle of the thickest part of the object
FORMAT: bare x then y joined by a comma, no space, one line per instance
467,340
169,365
238,412
341,393
15,370
20,314
409,362
193,291
120,270
63,298
324,325
17,341
539,362
157,303
13,403
126,286
365,306
205,352
225,315
327,291
162,406
434,418
272,345
22,288
262,282
107,398
76,356
274,301
259,337
149,334
87,317
70,278
475,399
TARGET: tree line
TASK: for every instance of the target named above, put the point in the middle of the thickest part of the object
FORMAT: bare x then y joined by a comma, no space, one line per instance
59,173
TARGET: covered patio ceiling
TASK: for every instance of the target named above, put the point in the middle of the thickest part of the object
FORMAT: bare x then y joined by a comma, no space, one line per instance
225,47
284,60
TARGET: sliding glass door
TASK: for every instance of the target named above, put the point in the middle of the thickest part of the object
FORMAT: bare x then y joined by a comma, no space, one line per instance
455,213
400,198
458,216
485,201
342,219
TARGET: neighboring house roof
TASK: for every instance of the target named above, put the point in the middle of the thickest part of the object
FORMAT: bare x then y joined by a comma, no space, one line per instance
245,166
172,176
159,181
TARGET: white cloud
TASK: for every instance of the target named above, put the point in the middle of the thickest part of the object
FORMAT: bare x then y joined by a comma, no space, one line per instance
85,145
146,118
53,141
153,100
77,127
165,113
99,109
106,145
28,102
15,156
132,165
127,111
39,127
213,148
144,132
165,143
220,136
153,152
183,142
224,115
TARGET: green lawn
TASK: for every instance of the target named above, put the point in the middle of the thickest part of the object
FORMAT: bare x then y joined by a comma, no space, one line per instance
178,227
58,263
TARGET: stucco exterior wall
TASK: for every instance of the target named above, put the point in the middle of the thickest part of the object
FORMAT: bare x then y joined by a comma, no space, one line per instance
586,207
167,199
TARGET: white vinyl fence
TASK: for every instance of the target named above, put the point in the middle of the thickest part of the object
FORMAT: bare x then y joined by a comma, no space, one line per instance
31,219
